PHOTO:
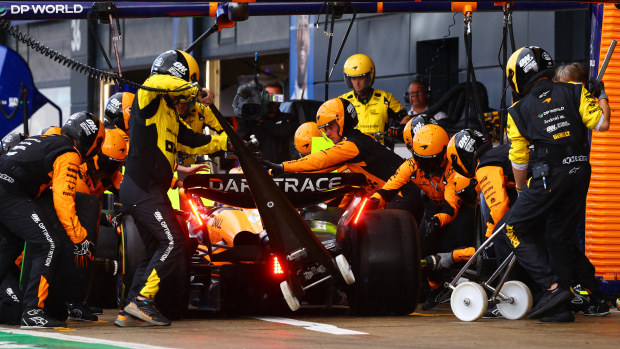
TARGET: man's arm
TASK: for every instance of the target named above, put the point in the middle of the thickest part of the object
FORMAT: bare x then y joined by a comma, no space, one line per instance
64,181
331,157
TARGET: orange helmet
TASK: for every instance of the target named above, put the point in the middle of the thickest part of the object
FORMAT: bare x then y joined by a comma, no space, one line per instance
52,130
466,188
414,125
337,110
464,150
303,137
429,148
118,110
113,152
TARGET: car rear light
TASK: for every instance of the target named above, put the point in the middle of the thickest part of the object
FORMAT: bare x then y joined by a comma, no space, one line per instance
277,268
359,213
193,206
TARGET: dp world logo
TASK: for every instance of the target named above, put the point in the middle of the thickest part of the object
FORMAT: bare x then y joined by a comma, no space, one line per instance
3,11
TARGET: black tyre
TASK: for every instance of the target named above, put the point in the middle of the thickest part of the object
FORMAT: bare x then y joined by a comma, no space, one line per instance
383,251
132,252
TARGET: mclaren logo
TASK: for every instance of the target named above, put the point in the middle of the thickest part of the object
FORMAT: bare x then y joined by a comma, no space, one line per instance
288,185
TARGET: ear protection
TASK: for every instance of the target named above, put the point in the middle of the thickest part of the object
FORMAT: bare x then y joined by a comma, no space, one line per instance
425,88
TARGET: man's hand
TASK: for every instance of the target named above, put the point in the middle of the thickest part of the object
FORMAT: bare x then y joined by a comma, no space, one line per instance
206,97
189,170
395,132
82,253
276,169
597,89
432,226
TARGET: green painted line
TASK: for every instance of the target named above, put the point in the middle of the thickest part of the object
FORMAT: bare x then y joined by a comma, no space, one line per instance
50,339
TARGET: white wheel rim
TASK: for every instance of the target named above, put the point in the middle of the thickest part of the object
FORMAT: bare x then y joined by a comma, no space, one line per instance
521,300
291,300
345,269
468,301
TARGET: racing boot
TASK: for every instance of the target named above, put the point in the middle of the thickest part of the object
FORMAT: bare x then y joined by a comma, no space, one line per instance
36,318
147,311
124,319
80,312
581,299
436,297
597,307
561,313
549,300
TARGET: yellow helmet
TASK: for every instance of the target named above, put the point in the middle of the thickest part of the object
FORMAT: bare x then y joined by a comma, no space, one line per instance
414,125
177,63
303,137
337,110
113,152
359,65
429,148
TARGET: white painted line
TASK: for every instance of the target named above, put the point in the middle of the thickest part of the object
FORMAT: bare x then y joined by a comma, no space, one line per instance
312,326
79,339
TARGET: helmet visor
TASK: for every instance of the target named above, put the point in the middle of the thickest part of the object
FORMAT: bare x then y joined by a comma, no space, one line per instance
428,164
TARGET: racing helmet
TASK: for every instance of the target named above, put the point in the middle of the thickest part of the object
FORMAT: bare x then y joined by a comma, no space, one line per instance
11,140
87,131
52,130
464,150
429,148
466,188
337,110
414,125
303,137
113,151
118,110
359,65
527,65
176,63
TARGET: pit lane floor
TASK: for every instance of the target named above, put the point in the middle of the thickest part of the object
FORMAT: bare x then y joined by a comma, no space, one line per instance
311,328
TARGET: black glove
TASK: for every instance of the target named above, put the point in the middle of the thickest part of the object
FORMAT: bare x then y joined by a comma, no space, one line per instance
372,203
432,226
276,169
597,89
82,253
110,221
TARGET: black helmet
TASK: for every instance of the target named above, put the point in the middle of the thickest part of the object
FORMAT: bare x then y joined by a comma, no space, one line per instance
11,140
464,150
527,65
118,109
412,127
87,131
176,63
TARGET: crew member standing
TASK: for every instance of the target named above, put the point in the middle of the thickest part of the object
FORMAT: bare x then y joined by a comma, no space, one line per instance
547,128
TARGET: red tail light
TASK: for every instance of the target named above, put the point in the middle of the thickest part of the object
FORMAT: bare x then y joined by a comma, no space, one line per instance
277,268
193,206
359,213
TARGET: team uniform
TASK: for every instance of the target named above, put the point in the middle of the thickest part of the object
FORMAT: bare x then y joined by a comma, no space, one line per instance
29,168
155,131
553,118
375,112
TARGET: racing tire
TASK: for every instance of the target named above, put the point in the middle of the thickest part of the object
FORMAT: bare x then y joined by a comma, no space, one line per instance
521,300
383,250
132,252
468,301
345,269
291,300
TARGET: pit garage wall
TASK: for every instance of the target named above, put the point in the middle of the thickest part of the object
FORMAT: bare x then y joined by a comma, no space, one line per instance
603,203
390,40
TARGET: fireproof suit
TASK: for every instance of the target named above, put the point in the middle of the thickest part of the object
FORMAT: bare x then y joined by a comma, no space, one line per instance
154,133
25,171
443,203
375,112
554,118
198,119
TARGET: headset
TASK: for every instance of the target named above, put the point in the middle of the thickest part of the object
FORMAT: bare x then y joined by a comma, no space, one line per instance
425,87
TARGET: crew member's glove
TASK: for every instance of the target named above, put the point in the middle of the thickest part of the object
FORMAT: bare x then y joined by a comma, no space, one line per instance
432,226
373,203
597,89
395,132
276,169
111,221
445,260
82,253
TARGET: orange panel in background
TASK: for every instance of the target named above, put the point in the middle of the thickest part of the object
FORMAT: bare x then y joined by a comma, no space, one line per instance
603,205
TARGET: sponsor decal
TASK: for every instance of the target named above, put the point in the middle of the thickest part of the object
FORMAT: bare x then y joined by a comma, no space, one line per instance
514,241
6,177
550,111
561,135
3,12
89,127
542,95
113,105
575,158
528,63
178,70
288,185
49,9
467,143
